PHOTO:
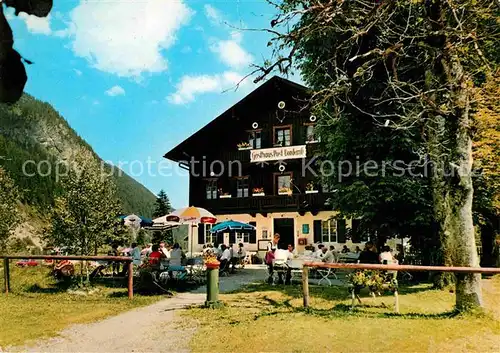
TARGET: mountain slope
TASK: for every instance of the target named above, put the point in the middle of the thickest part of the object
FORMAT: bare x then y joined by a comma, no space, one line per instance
32,131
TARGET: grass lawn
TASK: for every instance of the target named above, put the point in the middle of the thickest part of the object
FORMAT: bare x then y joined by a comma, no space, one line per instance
38,308
271,319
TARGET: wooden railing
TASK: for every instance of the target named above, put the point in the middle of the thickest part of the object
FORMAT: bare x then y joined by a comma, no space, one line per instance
380,267
7,258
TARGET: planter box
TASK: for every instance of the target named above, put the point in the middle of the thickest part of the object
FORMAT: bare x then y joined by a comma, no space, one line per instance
312,141
284,192
259,194
225,196
311,191
244,148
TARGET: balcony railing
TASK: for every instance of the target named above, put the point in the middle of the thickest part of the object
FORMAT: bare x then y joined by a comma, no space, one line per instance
271,203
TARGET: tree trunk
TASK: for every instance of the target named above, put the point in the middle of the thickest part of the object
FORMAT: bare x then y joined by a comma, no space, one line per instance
451,148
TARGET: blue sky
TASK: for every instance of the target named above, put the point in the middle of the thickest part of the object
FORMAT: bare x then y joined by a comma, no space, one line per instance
135,78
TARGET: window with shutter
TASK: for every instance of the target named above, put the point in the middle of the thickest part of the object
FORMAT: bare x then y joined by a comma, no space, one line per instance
317,231
341,230
355,231
253,234
201,233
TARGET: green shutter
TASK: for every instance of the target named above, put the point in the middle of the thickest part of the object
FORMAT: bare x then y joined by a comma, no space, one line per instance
201,233
341,231
317,231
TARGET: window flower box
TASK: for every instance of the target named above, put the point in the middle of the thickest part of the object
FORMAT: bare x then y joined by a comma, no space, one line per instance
312,191
226,196
258,192
284,191
243,146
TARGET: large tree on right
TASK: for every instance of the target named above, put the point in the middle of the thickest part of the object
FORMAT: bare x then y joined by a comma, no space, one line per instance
407,65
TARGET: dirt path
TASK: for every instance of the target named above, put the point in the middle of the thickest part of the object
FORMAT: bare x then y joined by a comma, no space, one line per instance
147,329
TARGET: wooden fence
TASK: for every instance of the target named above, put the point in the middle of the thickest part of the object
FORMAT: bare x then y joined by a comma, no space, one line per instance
7,258
380,267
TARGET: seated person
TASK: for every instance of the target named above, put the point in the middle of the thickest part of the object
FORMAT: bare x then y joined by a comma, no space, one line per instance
319,253
345,250
292,250
369,254
386,256
328,256
176,257
242,254
155,255
225,258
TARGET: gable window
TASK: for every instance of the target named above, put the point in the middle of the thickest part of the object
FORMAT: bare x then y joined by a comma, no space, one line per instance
310,134
211,189
283,183
282,136
329,231
255,139
242,188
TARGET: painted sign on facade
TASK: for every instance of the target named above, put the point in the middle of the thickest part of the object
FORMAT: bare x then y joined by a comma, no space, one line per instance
278,153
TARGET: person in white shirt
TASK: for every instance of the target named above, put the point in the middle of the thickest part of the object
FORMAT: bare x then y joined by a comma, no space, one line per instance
164,250
176,256
281,259
328,256
386,256
269,259
225,258
319,253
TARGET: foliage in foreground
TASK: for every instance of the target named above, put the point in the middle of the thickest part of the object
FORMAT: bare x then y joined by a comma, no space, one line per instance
253,319
85,216
8,204
409,66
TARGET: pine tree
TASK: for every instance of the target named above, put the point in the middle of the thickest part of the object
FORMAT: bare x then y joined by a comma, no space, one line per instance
162,205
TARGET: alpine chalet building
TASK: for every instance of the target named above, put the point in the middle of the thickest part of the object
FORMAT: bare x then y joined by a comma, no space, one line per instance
253,164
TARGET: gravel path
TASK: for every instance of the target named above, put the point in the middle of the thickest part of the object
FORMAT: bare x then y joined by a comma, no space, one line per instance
147,329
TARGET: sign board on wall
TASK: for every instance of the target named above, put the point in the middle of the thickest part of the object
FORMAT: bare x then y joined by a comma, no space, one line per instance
278,153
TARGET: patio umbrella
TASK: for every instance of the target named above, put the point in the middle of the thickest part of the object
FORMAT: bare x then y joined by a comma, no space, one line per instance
231,225
191,215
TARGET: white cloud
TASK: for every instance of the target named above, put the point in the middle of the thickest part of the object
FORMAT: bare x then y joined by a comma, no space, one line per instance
126,38
231,53
38,25
115,91
213,14
190,86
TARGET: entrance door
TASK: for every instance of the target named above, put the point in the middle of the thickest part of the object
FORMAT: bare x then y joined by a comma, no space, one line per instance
284,227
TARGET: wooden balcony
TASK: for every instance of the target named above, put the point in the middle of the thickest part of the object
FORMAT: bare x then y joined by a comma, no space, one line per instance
266,204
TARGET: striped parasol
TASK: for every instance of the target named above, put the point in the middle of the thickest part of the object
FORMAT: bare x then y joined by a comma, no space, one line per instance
191,215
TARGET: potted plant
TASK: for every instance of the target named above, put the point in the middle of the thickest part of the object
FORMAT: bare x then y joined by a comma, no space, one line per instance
224,195
244,146
284,191
258,192
310,188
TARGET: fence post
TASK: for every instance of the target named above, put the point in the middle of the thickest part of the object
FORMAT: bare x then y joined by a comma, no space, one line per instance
305,285
6,274
130,280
